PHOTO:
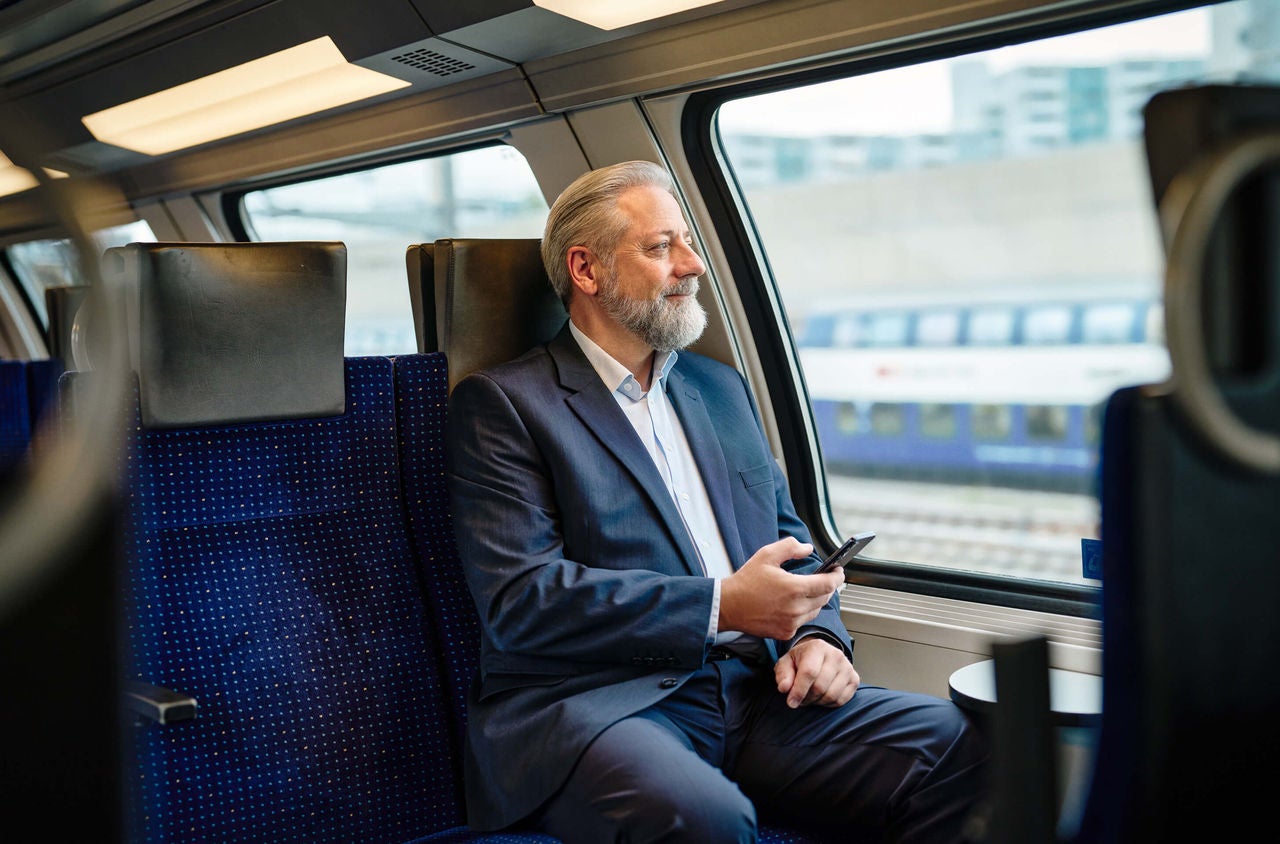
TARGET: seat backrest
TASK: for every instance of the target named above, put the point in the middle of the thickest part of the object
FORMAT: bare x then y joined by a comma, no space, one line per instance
63,304
27,392
266,312
1191,566
481,301
270,573
421,399
15,416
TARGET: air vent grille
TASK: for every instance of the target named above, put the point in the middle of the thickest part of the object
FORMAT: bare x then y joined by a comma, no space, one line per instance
430,61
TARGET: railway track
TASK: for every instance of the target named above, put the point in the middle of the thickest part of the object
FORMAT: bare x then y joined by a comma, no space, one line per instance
1000,531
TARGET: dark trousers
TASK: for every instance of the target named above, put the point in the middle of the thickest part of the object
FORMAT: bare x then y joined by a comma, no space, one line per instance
700,765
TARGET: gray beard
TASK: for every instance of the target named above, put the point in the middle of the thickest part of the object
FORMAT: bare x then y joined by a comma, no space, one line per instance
666,326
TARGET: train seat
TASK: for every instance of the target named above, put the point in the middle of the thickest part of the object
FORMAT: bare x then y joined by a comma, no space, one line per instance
63,305
15,418
481,302
1189,492
269,574
27,390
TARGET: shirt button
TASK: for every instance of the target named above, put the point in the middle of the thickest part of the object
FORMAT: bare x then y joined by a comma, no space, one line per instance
669,683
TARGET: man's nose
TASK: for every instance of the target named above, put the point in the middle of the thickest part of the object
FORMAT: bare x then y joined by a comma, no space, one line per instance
689,262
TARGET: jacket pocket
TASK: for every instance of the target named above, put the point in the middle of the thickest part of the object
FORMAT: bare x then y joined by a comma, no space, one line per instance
756,475
495,683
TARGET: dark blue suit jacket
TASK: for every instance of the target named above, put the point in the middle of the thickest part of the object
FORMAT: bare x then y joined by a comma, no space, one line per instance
588,586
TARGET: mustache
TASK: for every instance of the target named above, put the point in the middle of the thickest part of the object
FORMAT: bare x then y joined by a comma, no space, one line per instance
687,287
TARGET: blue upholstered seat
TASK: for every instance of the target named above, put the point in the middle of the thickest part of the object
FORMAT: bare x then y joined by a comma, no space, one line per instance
421,402
271,578
15,422
26,389
269,571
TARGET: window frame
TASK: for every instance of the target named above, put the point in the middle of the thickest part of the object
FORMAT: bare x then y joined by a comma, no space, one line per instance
11,272
777,349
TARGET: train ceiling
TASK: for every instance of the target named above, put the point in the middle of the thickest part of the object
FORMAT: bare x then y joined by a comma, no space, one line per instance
63,60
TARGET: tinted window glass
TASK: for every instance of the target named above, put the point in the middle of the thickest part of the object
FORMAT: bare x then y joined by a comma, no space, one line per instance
41,264
1014,191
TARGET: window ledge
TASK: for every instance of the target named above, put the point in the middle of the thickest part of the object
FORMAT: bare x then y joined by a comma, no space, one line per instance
968,627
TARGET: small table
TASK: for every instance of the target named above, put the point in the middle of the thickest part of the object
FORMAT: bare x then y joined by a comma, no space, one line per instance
1075,699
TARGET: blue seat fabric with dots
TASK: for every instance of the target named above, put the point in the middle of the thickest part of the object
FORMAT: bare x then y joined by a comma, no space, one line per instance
271,578
15,421
421,400
26,389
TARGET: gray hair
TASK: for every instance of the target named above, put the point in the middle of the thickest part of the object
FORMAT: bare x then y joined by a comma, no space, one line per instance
585,214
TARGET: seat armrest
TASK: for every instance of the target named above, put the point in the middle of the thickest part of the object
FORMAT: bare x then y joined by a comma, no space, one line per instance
156,703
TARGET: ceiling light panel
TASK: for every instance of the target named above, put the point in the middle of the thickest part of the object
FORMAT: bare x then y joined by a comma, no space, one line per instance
608,14
306,79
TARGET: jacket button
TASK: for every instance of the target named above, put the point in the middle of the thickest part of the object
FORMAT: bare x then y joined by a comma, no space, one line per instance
669,682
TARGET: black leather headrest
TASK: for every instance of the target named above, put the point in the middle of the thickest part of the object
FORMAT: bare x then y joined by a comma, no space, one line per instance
62,304
481,301
221,333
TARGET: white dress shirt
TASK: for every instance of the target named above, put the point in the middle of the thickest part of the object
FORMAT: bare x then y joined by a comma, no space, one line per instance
655,421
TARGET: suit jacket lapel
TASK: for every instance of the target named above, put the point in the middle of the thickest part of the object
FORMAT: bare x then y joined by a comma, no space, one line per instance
709,456
592,403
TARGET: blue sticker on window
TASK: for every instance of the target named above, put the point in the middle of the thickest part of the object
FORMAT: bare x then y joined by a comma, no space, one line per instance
1091,557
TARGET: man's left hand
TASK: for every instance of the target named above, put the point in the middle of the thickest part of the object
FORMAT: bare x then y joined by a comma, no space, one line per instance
815,672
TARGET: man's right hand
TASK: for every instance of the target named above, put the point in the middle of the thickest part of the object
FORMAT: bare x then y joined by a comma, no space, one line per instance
763,599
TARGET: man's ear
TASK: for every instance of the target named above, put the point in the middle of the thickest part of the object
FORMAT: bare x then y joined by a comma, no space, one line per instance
584,272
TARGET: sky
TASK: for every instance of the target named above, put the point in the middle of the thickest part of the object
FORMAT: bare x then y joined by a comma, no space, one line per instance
917,99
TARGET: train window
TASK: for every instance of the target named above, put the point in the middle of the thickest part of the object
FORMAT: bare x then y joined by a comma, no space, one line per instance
991,327
847,417
938,328
1108,323
888,420
887,329
1050,325
991,421
377,213
1014,191
848,332
938,421
41,264
1047,423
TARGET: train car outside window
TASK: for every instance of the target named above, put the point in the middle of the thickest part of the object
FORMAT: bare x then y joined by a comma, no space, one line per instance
991,421
938,421
377,213
888,420
938,328
888,330
1048,423
991,327
41,264
1109,323
1014,191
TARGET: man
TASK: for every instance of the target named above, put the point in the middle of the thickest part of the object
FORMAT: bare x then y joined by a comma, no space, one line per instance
652,668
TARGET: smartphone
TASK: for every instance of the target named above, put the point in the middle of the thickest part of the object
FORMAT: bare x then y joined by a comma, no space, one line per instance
845,553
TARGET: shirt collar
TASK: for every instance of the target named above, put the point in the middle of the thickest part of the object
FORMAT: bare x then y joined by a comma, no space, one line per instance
614,375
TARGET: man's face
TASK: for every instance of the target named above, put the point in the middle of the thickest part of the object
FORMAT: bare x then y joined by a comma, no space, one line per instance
653,282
